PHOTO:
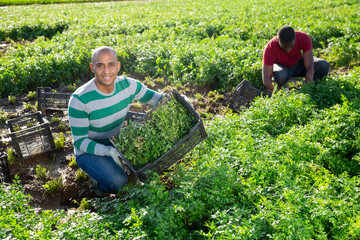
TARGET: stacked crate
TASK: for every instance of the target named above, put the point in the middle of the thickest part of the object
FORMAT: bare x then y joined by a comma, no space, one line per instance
49,100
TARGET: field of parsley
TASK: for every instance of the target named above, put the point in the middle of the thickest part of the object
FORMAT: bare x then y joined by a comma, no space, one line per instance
27,2
186,42
286,168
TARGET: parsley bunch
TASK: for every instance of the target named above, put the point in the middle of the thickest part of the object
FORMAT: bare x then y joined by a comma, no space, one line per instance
144,142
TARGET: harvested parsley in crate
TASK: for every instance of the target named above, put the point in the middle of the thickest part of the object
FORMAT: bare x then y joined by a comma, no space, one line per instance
162,137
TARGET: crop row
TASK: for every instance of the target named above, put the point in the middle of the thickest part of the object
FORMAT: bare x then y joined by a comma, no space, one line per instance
184,41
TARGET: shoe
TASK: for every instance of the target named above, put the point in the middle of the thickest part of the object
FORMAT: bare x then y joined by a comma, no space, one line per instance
95,190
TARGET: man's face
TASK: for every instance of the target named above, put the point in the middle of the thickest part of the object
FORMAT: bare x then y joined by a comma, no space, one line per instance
287,47
105,67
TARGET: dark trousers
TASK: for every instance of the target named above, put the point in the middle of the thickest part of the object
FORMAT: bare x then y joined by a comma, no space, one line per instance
281,73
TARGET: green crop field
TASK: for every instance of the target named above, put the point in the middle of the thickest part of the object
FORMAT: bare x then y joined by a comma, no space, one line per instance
26,2
201,42
286,168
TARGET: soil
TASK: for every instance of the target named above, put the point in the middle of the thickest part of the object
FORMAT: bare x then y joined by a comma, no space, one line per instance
205,100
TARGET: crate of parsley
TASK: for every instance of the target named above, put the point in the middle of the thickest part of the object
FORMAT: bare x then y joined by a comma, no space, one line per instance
160,138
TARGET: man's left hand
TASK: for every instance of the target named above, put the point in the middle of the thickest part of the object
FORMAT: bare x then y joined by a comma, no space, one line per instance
116,156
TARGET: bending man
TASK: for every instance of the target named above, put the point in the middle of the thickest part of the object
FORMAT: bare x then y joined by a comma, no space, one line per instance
289,54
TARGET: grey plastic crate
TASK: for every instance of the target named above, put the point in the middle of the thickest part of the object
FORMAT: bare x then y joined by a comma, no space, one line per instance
30,135
243,95
48,100
178,151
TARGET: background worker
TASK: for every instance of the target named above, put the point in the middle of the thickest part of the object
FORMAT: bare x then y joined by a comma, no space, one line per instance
289,54
97,110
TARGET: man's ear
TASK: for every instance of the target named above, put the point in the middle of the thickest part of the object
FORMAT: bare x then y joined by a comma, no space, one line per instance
119,65
92,67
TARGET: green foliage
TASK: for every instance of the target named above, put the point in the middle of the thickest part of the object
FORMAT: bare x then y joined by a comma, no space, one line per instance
80,174
18,220
12,99
144,142
276,115
55,119
137,105
31,95
30,123
29,106
11,155
62,126
31,32
198,96
255,180
41,172
71,87
208,43
85,204
72,162
343,51
16,127
25,2
248,180
53,185
59,140
286,168
3,117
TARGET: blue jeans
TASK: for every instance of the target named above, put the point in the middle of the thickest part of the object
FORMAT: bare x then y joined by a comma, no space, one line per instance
103,169
281,73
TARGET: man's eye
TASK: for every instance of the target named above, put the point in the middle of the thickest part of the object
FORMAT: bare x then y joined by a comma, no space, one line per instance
112,64
100,65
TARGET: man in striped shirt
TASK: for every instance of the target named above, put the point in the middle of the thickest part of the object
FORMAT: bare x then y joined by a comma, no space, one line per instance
97,110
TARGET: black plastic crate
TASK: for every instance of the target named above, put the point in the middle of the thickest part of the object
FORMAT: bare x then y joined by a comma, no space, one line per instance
243,95
48,100
30,135
196,134
132,117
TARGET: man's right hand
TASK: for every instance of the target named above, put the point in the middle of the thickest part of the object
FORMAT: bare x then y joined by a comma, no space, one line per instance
267,72
116,156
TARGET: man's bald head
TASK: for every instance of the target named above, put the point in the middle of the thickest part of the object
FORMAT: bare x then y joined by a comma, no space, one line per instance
102,49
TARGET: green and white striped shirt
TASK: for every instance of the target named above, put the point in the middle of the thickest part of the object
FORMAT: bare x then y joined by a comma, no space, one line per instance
95,116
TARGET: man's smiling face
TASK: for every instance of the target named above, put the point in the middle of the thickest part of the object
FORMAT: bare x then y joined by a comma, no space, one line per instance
105,67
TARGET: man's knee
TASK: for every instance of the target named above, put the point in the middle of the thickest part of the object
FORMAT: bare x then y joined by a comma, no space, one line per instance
280,77
321,68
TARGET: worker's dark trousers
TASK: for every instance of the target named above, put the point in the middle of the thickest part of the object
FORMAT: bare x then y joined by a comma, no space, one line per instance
281,73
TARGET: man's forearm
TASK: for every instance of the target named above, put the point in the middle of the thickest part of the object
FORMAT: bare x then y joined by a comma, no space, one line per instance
309,75
267,72
309,65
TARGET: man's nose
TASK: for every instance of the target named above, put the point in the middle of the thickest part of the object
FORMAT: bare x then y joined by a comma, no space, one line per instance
106,68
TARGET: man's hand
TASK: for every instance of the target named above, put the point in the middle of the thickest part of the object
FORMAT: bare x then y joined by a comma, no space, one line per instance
116,156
